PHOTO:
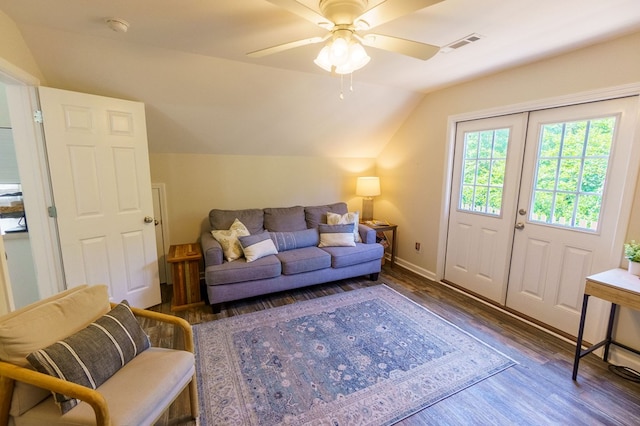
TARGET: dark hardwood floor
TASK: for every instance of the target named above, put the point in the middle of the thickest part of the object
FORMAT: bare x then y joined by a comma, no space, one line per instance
537,391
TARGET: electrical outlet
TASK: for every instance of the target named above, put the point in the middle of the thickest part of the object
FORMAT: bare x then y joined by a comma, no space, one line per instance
417,246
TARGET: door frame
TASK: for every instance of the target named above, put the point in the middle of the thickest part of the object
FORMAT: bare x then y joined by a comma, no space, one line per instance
599,311
164,224
22,97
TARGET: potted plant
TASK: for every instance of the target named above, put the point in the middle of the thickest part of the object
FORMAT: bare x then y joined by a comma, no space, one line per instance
632,253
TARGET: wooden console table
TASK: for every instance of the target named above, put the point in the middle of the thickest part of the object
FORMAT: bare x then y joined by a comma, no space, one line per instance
185,262
617,286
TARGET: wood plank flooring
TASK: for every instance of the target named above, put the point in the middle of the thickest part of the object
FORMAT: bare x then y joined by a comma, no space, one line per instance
537,391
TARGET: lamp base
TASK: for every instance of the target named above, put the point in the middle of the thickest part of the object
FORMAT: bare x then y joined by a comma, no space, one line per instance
367,209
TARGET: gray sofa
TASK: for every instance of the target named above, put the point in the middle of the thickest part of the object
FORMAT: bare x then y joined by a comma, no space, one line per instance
299,261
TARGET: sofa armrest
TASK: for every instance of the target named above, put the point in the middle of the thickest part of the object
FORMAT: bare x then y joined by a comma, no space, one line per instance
211,250
74,390
367,234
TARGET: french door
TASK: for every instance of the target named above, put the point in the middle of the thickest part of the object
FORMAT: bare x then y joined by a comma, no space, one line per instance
561,222
486,176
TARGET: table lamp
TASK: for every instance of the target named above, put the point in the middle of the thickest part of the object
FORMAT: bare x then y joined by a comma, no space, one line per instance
368,187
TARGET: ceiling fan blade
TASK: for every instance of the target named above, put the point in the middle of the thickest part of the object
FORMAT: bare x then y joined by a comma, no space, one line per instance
390,10
303,11
406,47
285,46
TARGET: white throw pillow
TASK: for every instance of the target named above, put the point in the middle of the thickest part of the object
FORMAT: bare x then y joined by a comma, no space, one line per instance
228,239
345,219
257,246
336,235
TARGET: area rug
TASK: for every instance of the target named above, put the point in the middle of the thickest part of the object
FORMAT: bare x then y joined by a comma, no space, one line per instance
365,357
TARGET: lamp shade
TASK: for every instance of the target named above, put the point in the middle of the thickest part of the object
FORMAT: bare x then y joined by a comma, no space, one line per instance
368,186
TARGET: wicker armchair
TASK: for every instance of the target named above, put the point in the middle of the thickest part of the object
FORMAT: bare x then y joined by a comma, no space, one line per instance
138,393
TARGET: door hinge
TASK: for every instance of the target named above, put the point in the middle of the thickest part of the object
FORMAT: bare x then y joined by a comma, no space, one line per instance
53,212
37,116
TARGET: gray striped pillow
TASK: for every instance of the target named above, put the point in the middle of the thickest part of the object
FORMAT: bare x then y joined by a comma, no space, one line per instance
93,354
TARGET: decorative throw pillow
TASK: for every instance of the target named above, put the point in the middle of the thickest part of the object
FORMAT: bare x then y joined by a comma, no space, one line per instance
228,239
93,354
341,219
257,246
285,241
336,235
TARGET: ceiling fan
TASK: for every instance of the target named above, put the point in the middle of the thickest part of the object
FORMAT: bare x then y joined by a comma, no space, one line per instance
346,22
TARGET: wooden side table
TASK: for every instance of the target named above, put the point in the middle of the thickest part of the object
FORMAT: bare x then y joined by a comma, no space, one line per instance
185,262
617,286
394,239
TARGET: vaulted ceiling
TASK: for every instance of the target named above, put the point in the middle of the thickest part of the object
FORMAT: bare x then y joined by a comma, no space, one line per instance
186,60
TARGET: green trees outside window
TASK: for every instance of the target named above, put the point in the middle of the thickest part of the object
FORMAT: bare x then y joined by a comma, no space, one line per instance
485,157
571,171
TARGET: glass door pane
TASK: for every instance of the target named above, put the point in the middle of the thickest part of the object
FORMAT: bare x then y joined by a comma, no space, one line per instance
571,170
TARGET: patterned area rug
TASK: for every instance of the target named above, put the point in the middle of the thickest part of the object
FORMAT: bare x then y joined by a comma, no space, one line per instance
364,357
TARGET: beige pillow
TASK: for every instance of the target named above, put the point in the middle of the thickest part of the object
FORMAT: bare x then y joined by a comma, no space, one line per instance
345,219
42,323
228,239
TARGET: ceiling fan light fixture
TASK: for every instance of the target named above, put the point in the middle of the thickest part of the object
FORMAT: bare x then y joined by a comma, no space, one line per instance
342,56
339,52
322,60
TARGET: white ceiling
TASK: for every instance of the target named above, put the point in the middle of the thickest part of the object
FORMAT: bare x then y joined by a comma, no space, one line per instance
187,61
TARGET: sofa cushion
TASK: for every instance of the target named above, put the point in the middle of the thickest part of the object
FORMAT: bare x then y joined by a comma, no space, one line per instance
228,239
315,215
257,246
284,219
336,235
40,324
347,218
93,354
292,240
347,256
251,218
240,271
304,260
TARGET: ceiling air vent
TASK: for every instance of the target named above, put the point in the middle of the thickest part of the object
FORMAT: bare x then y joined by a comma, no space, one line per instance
460,43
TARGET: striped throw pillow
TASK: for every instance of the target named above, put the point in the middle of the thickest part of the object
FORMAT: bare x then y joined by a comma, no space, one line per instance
93,354
336,236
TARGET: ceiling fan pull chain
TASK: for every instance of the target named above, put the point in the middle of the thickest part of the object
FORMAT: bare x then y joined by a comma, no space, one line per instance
341,85
351,82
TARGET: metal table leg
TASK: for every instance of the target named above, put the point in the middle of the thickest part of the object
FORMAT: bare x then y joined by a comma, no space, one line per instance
583,317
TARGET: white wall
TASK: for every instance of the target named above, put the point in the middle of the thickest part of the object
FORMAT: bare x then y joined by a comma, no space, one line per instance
197,183
412,165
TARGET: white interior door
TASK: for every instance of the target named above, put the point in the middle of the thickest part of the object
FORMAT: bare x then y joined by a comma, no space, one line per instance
577,161
486,179
99,165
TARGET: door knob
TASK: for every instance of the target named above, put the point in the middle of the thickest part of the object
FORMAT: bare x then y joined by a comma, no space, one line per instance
148,219
519,225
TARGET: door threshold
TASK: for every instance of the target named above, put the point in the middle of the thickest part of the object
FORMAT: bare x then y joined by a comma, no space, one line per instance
513,313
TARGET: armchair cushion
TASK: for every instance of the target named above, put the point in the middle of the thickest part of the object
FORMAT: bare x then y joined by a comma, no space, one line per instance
42,323
93,354
136,395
